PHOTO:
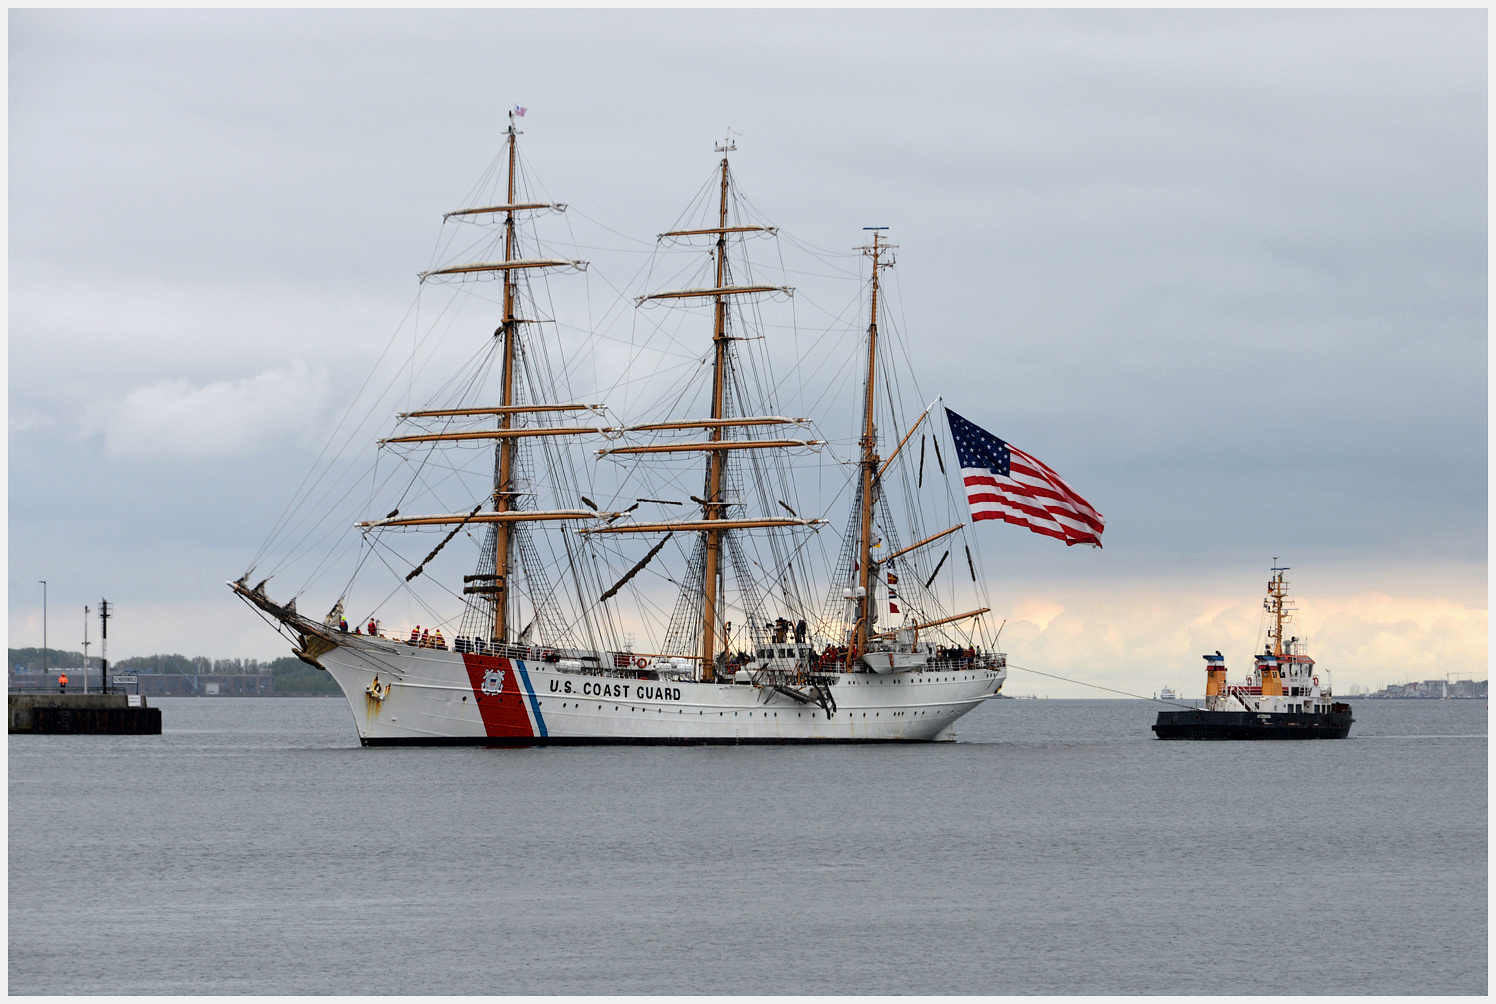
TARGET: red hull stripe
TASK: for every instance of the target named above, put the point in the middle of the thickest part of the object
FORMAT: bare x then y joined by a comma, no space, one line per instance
504,713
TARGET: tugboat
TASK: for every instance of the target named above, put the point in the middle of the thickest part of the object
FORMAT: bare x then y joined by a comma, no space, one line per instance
1285,698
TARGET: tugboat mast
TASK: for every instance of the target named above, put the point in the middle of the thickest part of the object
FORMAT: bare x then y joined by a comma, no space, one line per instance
1279,607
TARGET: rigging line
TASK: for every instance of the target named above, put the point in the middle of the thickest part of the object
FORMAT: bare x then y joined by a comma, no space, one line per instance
280,628
651,245
419,600
309,500
413,594
445,540
1097,686
380,605
291,503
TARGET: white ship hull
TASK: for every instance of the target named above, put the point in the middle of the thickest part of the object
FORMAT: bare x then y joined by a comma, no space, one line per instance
432,696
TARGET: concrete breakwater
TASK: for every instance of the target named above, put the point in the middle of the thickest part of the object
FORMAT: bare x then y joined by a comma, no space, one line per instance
83,714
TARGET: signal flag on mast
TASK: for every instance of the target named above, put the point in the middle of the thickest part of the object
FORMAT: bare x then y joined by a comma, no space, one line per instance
1003,482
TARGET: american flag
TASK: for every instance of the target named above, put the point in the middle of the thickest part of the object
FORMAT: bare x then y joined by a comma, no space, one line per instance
1003,482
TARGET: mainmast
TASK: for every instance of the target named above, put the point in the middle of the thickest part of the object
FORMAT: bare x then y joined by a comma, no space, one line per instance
714,524
866,610
715,458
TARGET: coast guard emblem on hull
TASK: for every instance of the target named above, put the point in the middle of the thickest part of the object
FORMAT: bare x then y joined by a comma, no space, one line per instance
493,682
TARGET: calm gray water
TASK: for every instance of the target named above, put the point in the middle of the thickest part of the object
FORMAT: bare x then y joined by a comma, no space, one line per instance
1058,848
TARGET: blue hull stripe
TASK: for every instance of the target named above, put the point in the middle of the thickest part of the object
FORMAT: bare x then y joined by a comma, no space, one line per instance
530,693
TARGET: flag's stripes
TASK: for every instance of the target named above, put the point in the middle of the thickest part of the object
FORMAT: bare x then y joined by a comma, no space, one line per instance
1005,483
990,505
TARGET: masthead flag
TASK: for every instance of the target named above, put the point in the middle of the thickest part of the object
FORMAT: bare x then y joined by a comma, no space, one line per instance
1003,482
519,111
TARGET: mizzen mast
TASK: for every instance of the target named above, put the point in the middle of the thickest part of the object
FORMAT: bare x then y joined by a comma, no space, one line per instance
866,610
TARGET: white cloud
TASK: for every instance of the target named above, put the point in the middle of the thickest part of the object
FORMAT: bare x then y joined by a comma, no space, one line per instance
175,421
1139,641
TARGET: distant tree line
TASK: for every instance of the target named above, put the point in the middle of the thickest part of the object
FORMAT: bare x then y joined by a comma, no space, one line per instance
292,676
32,658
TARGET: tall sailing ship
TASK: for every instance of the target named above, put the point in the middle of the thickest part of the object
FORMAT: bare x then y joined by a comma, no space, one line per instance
823,650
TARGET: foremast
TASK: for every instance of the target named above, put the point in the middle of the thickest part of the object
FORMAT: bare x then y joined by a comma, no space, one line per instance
494,589
503,495
715,524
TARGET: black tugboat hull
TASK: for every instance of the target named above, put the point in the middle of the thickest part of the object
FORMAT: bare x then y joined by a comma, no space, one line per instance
1252,725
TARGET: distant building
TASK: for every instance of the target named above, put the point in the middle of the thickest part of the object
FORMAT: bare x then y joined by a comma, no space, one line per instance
1436,689
206,685
148,683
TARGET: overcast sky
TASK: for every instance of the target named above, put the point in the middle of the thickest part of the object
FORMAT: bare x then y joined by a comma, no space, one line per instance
1225,271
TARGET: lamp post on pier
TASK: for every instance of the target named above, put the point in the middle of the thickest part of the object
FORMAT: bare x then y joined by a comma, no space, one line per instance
44,631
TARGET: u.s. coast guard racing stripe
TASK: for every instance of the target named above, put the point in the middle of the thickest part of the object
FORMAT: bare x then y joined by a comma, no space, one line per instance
530,693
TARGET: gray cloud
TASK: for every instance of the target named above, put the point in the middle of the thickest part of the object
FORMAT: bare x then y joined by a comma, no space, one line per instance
1226,271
